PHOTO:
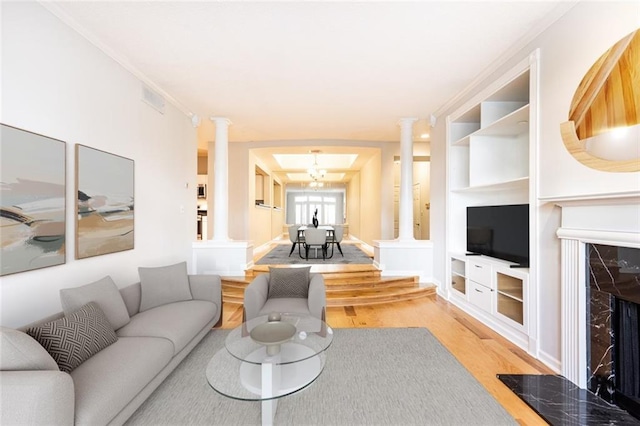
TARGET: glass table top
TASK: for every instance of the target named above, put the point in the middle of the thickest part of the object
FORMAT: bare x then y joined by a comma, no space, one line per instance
238,370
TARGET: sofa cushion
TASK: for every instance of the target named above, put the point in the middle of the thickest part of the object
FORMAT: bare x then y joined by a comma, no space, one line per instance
105,293
109,380
73,339
19,351
162,285
178,322
289,282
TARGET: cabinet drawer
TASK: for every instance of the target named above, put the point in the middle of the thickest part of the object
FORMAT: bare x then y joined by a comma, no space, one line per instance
480,273
480,295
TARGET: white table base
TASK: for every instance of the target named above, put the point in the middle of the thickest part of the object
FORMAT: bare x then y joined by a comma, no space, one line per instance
265,375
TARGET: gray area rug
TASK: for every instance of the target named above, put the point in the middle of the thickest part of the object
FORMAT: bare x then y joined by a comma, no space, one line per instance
392,376
280,256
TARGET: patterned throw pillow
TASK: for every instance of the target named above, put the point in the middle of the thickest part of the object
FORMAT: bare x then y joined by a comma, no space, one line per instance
73,339
289,282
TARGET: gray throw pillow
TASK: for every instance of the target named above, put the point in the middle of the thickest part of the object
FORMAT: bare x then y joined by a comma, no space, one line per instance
162,285
289,282
75,338
19,351
105,293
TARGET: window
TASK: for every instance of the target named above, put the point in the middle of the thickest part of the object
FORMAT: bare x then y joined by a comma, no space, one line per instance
306,205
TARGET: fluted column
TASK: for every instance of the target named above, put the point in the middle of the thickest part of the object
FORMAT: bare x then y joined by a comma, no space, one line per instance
405,219
221,183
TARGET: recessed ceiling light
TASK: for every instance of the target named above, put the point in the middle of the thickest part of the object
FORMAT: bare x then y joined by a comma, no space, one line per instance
424,135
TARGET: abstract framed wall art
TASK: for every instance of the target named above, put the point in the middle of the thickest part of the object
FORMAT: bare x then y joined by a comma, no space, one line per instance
104,204
32,201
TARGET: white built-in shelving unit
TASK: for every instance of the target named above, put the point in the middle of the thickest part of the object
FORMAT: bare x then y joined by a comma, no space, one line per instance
491,160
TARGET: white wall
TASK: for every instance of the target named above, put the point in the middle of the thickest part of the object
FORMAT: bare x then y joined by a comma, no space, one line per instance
353,206
259,216
57,84
568,48
241,181
370,201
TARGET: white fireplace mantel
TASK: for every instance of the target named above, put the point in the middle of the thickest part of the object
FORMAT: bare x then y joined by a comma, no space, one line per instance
610,221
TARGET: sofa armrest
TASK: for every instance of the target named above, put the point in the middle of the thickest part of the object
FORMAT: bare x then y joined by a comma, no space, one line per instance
317,297
36,398
255,296
209,288
206,287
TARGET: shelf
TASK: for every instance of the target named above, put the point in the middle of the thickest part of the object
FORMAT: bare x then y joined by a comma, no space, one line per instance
511,308
509,125
510,286
463,141
458,267
519,183
511,296
459,283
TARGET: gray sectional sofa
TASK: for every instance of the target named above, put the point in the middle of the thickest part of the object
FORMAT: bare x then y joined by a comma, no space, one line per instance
111,384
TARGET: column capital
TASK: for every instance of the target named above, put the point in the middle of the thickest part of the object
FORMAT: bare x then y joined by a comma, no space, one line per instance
407,120
220,120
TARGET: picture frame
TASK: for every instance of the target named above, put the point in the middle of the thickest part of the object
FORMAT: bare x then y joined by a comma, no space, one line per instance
104,202
32,201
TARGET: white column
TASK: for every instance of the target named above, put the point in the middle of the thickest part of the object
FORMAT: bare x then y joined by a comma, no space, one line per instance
220,255
405,219
221,176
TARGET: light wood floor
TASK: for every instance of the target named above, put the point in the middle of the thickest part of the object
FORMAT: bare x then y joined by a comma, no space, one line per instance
482,351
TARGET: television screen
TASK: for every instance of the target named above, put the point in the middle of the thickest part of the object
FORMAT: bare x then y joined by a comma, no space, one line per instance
499,231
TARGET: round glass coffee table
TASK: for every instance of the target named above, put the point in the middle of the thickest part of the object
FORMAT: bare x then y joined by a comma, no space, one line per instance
265,360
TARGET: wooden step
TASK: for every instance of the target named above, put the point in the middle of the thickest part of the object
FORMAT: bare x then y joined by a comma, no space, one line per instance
345,287
370,282
360,299
327,270
356,297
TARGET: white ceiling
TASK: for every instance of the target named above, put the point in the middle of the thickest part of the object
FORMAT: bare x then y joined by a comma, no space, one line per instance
305,70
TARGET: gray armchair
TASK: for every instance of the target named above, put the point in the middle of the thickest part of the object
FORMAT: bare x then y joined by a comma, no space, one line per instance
257,301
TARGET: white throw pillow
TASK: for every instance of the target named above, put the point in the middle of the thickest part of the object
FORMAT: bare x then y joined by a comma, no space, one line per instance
105,293
162,285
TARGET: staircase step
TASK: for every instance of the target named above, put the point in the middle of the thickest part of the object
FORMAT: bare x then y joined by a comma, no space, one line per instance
357,298
370,282
361,299
347,291
327,270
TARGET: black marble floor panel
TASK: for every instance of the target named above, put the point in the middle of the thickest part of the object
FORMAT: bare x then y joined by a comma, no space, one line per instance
560,402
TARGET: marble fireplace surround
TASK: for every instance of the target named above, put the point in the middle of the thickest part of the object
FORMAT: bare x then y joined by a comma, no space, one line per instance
608,222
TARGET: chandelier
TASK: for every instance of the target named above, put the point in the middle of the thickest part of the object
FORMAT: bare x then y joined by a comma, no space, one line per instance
314,171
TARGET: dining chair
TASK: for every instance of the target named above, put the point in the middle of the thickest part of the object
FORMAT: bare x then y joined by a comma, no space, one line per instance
294,237
336,239
314,237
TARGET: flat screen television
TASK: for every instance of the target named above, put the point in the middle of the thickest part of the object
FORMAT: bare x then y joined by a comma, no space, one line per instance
499,231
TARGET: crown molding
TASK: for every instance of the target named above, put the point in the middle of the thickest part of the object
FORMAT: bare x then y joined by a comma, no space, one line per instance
560,10
122,60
